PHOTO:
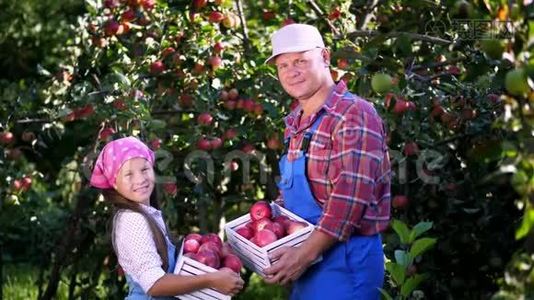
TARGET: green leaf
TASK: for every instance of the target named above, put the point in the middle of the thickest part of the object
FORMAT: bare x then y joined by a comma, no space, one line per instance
526,225
397,272
412,283
402,230
419,229
402,258
385,294
421,245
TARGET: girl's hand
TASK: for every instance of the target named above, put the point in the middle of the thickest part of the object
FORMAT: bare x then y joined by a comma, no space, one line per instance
226,281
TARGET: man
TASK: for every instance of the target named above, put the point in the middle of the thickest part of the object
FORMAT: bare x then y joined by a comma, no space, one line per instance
335,174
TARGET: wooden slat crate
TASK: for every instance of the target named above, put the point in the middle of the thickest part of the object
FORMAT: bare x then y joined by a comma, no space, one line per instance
189,267
257,258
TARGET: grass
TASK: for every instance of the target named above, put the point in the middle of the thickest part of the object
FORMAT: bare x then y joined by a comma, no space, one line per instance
20,284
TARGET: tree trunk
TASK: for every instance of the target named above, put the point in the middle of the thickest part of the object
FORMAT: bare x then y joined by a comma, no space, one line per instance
70,240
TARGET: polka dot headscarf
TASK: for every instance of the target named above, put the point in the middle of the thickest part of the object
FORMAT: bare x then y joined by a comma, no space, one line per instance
113,156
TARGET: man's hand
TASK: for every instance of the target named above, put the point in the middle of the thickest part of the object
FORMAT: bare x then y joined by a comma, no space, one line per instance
291,264
293,261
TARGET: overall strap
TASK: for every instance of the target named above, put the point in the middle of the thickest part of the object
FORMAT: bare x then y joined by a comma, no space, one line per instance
309,133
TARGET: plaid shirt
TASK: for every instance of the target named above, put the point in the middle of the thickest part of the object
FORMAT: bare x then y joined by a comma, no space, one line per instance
348,165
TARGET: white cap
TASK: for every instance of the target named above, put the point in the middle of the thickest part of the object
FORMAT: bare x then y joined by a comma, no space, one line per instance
295,38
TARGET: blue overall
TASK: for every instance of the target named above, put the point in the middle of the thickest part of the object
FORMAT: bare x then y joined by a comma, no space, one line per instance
349,270
135,290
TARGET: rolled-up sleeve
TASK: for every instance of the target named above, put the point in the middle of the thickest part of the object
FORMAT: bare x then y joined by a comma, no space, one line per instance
357,152
136,251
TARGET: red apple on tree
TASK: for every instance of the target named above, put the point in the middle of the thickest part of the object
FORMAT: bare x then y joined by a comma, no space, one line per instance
411,148
216,17
13,154
28,136
128,16
16,185
230,134
170,188
6,137
334,14
204,144
342,63
288,21
198,4
230,104
268,15
218,47
157,67
233,94
205,119
111,27
26,183
216,143
186,100
215,61
400,201
106,133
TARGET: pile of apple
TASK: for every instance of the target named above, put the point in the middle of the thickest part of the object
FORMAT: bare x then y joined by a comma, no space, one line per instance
210,250
264,228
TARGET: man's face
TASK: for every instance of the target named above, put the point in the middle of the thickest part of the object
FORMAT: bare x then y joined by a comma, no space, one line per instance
302,74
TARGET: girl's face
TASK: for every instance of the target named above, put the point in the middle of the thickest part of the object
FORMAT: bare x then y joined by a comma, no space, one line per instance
135,180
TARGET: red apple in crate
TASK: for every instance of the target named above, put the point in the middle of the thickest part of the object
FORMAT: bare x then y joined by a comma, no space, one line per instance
261,224
245,232
209,258
210,246
194,236
191,246
211,237
226,250
283,220
233,262
260,210
250,225
264,237
295,226
191,255
277,228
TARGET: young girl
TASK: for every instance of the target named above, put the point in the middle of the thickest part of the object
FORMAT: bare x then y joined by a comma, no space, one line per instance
124,171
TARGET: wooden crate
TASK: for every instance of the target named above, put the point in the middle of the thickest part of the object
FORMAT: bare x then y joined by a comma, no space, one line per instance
189,267
257,258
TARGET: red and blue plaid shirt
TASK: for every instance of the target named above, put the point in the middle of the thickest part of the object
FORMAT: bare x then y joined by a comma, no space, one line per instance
348,164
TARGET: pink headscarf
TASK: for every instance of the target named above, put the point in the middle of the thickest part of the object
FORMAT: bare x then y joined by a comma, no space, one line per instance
113,156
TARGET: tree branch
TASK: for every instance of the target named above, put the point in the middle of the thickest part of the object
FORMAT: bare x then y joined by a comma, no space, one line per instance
246,40
415,36
367,15
318,10
438,64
